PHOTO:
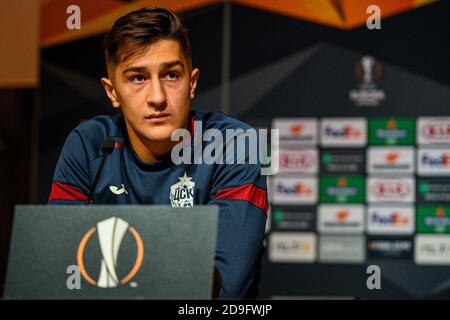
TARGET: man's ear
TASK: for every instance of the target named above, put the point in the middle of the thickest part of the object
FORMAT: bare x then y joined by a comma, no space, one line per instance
110,92
195,73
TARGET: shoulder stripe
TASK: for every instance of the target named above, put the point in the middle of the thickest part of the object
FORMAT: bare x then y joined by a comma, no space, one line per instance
248,192
61,191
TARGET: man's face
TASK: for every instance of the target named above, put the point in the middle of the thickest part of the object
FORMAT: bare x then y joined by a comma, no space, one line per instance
154,91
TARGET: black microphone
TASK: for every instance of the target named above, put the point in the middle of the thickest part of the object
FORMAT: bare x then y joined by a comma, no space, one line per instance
107,149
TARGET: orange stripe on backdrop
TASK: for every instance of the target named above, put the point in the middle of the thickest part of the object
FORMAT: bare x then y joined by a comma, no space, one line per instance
53,20
344,14
356,14
318,11
97,16
419,3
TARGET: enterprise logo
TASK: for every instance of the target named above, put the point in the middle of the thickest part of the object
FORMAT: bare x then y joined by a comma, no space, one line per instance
390,160
340,219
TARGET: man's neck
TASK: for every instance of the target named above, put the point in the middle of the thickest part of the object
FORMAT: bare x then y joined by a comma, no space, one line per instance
149,151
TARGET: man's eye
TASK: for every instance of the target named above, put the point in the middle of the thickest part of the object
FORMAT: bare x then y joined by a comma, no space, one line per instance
172,76
137,79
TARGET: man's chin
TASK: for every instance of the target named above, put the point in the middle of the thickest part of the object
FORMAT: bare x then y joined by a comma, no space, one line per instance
159,135
158,139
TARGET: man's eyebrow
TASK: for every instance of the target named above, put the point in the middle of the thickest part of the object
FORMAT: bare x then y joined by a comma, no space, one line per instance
135,69
163,66
171,64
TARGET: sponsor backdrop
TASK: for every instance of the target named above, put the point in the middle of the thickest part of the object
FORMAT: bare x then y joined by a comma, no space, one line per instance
364,122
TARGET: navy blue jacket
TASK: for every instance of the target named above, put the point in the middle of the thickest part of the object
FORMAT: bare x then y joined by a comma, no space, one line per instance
238,189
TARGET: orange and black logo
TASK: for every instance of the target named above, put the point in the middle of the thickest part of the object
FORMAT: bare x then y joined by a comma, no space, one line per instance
110,234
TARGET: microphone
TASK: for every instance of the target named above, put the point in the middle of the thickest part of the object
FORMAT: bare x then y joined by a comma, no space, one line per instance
107,149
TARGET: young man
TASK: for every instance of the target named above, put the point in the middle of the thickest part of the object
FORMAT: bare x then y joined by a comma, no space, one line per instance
151,80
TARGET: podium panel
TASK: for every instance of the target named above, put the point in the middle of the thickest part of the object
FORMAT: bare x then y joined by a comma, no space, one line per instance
112,252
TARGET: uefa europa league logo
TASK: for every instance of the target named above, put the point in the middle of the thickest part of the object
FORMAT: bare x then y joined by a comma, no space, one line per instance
110,235
368,70
367,64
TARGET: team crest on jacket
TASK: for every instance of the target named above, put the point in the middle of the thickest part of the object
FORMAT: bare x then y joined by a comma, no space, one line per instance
182,192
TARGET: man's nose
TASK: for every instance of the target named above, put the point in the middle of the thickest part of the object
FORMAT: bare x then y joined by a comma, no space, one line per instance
156,96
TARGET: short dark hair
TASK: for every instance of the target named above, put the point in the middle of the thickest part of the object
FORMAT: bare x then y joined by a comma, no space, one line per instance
134,32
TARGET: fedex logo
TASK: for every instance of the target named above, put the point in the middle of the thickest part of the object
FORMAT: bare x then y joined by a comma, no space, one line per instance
337,132
395,218
346,132
293,190
390,220
433,162
443,160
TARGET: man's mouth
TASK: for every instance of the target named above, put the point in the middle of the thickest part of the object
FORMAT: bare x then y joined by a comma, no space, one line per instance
157,117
